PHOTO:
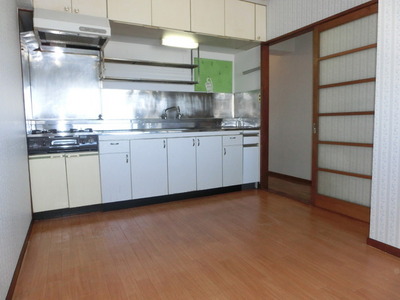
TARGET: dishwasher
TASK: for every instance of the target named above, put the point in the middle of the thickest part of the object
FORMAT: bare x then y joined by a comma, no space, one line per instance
251,157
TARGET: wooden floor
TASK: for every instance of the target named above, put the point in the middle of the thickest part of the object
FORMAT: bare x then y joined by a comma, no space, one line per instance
242,245
290,188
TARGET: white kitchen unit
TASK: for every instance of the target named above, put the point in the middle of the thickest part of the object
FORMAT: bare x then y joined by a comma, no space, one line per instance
149,167
251,157
48,182
115,171
232,160
83,177
207,16
97,8
132,11
261,23
240,19
174,14
209,162
181,165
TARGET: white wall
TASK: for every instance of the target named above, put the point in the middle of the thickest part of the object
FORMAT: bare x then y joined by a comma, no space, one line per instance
153,52
244,61
290,106
284,16
15,205
385,202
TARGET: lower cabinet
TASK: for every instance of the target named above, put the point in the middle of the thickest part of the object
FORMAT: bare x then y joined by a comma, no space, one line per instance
194,163
64,180
232,160
115,170
149,168
181,165
83,177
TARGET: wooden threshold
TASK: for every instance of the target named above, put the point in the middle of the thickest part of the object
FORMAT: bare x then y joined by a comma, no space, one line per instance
355,211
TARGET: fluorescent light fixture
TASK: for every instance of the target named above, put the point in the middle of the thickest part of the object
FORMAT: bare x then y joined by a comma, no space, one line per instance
179,41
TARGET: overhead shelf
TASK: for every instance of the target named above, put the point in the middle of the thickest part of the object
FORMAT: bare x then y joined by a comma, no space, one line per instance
149,63
109,78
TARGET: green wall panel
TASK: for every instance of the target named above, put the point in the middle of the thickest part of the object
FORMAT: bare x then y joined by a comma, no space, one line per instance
214,74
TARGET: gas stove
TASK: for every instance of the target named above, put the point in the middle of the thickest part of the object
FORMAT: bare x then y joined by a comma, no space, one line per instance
54,141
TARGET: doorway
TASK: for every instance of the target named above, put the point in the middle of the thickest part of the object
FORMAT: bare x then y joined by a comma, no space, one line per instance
290,117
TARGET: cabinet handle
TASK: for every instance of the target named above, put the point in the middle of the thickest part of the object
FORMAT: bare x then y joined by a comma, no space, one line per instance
76,11
198,142
224,151
194,142
165,144
232,138
114,144
127,158
66,8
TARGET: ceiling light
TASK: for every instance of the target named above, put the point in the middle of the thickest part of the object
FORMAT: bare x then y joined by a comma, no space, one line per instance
179,41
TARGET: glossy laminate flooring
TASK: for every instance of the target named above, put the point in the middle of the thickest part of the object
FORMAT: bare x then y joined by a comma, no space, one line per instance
243,245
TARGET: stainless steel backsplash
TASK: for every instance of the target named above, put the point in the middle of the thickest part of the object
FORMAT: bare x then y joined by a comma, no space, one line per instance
62,90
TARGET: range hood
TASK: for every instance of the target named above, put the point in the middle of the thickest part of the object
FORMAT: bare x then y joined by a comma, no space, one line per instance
69,30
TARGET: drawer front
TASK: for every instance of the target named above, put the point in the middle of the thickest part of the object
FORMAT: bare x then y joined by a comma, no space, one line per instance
233,140
114,146
251,140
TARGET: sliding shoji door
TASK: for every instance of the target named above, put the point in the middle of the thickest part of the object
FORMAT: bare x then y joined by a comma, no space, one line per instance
344,93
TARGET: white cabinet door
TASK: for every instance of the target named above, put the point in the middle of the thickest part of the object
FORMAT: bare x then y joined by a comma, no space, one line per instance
181,165
209,162
97,8
240,19
207,16
261,22
130,11
173,14
48,182
232,165
251,164
149,168
60,5
115,171
83,177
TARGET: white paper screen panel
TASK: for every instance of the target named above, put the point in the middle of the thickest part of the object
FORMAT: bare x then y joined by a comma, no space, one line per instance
352,35
348,98
352,189
354,66
351,129
345,158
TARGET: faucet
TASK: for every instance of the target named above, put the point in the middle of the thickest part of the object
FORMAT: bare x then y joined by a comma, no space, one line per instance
178,112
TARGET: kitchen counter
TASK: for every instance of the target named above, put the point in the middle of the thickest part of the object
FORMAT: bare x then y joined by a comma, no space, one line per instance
108,135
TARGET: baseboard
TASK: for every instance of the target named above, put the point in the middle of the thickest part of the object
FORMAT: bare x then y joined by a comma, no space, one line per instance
290,178
384,247
13,284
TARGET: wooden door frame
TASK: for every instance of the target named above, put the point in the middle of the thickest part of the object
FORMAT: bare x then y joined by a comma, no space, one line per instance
264,110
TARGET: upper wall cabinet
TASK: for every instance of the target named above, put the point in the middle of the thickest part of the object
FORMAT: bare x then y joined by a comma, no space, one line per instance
174,14
130,11
97,8
207,16
261,22
240,19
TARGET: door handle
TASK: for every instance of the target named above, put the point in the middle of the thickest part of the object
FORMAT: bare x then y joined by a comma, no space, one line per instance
198,142
127,158
224,151
194,142
164,143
